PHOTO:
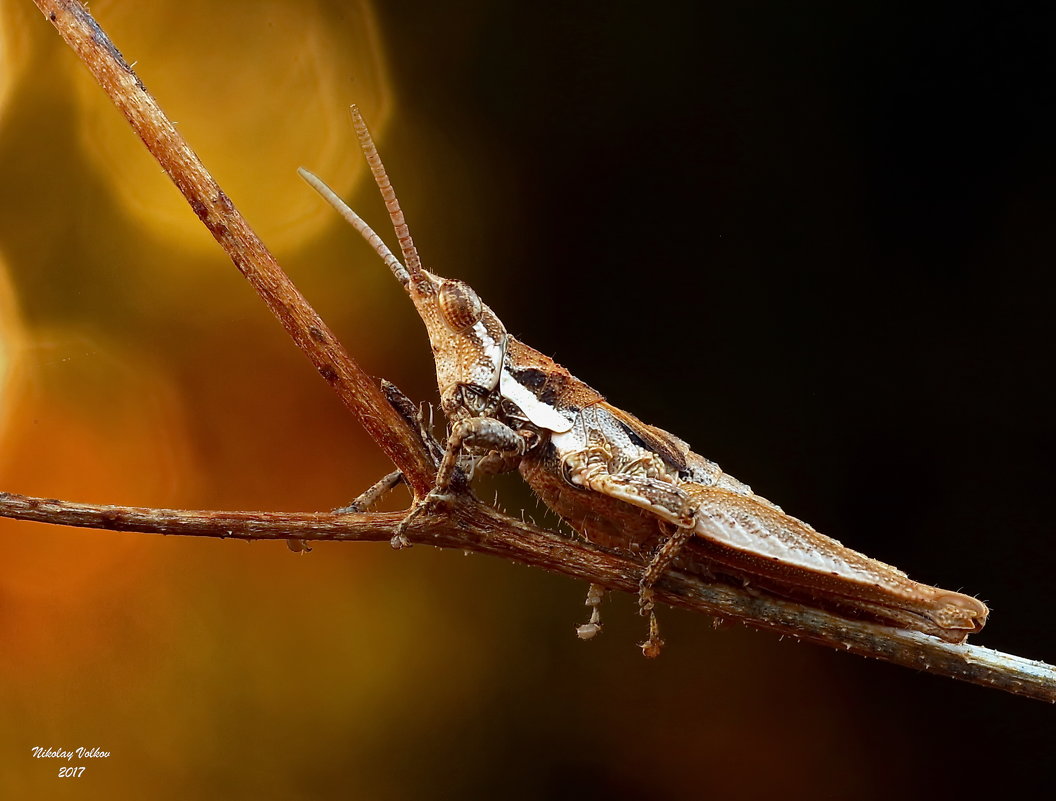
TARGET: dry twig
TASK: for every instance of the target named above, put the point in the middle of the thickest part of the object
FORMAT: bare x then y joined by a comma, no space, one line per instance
466,523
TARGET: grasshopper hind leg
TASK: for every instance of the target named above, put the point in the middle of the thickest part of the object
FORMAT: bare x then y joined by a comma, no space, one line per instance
653,571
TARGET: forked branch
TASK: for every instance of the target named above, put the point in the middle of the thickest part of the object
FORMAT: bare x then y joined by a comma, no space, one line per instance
464,523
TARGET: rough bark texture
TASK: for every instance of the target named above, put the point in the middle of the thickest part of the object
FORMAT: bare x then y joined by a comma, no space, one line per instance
469,525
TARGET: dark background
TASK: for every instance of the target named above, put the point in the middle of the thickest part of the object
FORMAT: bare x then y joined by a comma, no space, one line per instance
811,239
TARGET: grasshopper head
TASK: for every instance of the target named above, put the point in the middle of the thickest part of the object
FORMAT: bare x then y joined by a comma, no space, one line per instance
468,340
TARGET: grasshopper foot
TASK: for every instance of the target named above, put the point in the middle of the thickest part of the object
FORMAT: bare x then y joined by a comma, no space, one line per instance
429,502
592,628
588,631
651,647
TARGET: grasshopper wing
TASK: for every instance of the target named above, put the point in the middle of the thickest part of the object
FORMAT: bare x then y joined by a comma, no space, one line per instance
749,534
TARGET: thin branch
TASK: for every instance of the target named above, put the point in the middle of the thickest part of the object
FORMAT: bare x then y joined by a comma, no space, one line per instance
464,524
358,391
469,526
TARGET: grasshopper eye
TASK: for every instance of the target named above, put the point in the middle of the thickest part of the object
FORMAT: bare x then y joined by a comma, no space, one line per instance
459,305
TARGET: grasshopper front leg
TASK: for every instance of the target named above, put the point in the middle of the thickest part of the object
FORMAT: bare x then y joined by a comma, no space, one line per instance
504,447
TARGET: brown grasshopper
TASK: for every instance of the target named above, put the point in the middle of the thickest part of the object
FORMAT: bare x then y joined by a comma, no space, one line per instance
619,482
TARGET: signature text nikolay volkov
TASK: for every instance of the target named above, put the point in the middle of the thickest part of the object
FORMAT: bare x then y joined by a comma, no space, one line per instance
59,753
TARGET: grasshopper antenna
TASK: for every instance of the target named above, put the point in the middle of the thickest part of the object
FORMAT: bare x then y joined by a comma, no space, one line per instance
381,178
357,222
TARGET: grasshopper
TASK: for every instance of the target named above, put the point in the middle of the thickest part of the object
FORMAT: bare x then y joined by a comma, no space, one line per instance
617,481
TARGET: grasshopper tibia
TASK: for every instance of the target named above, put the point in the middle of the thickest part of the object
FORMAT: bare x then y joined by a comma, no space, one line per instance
366,501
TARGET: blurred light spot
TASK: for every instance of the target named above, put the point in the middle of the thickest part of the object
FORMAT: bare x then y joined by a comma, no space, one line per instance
11,346
93,422
258,90
14,39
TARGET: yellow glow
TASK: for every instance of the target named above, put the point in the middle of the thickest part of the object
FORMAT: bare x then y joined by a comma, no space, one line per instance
13,47
11,339
251,127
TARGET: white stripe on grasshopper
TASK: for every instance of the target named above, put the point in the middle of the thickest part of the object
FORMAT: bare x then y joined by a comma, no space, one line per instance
539,413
